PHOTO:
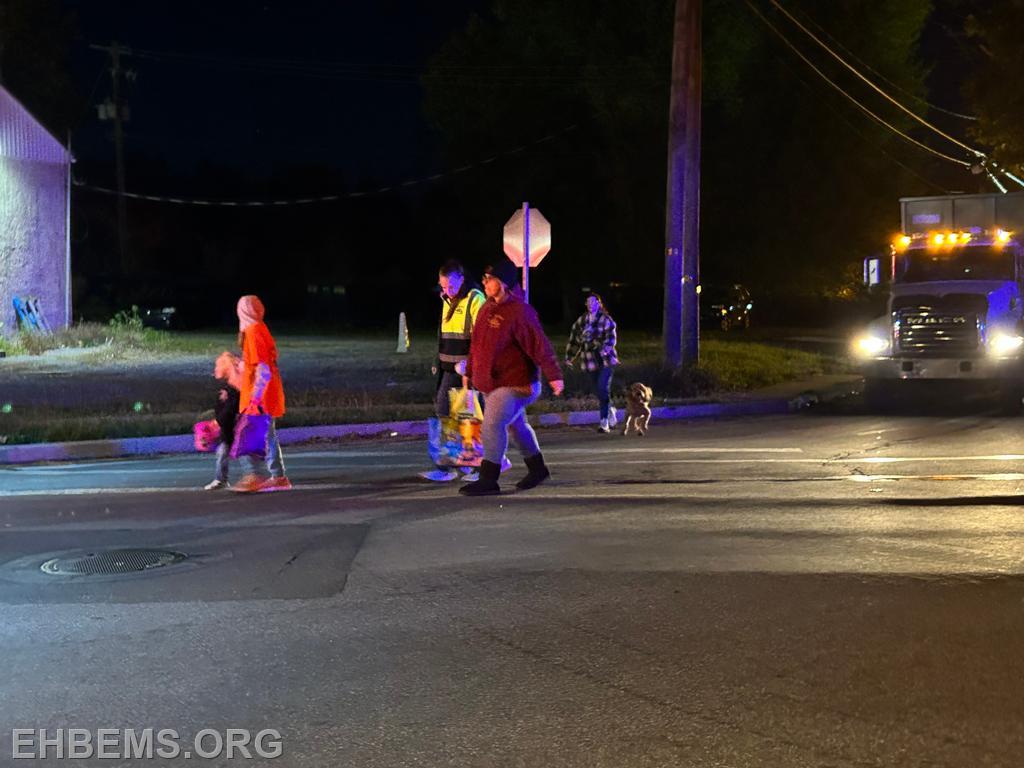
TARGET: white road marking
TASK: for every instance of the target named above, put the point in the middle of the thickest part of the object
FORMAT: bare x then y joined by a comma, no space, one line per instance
170,489
179,470
822,461
691,449
655,489
995,476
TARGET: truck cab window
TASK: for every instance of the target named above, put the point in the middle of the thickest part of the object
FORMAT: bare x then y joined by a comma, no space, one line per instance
973,263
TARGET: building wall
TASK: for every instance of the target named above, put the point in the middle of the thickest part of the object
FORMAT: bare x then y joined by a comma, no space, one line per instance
33,239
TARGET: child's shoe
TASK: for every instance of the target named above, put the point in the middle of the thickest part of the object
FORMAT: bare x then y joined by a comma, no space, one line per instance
216,485
440,475
275,484
248,484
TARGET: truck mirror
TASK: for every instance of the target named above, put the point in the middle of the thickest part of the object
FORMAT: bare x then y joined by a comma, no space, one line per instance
872,271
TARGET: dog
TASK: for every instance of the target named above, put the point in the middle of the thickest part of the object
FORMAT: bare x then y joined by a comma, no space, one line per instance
638,408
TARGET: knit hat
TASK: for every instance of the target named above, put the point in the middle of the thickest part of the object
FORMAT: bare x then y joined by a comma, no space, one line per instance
250,311
504,270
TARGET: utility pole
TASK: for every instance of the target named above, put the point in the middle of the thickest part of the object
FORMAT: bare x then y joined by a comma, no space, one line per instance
681,321
117,112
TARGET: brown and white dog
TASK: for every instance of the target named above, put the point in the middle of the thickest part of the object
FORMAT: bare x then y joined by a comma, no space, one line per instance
638,407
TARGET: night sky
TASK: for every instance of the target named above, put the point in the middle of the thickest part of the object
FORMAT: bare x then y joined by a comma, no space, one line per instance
279,100
265,85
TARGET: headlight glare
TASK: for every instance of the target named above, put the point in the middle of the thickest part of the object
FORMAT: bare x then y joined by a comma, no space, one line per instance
870,346
1003,344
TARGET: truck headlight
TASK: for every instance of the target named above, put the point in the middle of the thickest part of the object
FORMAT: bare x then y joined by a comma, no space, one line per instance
870,345
1004,344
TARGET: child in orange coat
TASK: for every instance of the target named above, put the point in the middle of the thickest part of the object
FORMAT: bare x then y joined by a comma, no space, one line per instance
262,391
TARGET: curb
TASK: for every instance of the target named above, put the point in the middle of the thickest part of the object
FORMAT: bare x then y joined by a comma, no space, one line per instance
170,444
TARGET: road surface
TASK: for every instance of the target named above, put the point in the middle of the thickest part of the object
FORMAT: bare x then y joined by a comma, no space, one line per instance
820,589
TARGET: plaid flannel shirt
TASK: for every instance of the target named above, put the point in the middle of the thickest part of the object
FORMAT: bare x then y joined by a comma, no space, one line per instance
593,339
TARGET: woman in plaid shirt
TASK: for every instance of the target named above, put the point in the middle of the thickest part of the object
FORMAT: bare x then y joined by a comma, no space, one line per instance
592,339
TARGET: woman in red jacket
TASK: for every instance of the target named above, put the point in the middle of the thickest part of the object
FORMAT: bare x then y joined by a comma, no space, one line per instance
507,352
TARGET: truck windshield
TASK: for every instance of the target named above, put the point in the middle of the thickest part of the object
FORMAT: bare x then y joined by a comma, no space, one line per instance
971,263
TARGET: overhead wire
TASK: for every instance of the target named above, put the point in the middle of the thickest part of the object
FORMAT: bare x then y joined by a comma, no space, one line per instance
984,163
849,96
1002,187
885,79
1014,178
864,138
841,60
325,198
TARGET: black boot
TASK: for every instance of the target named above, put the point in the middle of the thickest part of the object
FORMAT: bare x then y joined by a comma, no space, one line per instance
487,485
537,474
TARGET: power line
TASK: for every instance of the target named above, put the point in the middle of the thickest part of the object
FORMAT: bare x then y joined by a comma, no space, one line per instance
885,79
864,138
835,85
997,182
853,69
324,198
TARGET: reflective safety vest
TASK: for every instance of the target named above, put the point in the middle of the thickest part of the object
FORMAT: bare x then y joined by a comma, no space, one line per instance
453,343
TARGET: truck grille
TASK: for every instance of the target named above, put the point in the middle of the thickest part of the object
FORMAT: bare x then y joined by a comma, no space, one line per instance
936,334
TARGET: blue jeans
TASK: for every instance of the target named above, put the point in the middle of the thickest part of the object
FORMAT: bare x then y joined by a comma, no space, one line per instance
506,413
602,380
274,460
221,472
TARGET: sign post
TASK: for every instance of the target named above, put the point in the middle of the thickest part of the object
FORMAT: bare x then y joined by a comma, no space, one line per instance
526,241
526,251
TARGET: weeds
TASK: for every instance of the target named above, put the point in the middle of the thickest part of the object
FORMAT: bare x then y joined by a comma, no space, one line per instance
123,336
327,380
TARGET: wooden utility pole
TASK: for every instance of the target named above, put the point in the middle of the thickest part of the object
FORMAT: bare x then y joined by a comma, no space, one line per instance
681,321
117,114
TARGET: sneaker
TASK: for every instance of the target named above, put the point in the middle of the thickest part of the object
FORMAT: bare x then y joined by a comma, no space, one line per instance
613,417
275,484
471,477
216,485
505,463
248,484
440,475
604,428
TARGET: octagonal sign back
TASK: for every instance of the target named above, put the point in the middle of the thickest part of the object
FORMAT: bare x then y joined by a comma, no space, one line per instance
540,237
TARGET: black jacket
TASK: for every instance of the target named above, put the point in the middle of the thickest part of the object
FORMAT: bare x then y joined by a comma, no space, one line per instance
226,413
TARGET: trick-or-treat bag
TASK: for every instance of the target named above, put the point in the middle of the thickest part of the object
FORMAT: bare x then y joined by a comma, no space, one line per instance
251,435
206,435
455,441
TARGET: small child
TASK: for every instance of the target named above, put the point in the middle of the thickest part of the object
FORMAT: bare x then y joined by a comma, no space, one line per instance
228,369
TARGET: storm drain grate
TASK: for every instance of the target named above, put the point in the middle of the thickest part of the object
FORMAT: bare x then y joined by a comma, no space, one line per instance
112,562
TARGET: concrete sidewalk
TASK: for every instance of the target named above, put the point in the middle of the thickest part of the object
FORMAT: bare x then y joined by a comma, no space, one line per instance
780,398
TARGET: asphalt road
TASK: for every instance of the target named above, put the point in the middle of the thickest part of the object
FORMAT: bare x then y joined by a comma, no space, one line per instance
821,589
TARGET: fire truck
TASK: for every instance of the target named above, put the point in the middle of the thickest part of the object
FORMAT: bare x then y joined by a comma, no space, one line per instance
955,282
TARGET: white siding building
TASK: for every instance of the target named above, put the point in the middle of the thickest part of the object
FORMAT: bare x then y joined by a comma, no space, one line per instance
35,199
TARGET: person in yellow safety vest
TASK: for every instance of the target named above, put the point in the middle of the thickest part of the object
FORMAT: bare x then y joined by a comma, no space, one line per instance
460,303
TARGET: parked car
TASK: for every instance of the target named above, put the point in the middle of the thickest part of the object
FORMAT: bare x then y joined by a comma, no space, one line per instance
159,318
726,307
